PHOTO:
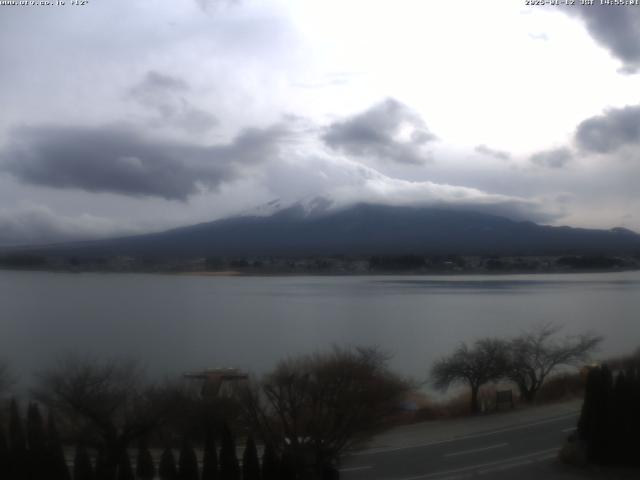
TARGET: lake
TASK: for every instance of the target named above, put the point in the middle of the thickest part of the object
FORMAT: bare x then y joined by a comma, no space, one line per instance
175,323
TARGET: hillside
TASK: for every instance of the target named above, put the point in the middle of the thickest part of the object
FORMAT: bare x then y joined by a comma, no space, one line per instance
360,230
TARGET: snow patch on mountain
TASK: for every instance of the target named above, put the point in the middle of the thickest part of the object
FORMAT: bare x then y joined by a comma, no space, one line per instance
307,207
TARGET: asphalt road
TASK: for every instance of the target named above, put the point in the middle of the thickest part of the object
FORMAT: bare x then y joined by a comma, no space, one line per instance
519,451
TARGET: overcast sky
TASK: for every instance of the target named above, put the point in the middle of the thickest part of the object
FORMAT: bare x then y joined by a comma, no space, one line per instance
126,116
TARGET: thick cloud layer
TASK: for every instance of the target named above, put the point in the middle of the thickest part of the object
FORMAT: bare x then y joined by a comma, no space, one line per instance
554,158
616,128
388,131
617,28
37,224
499,154
167,97
345,182
118,160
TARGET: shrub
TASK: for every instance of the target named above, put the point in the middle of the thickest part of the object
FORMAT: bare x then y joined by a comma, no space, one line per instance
82,469
167,469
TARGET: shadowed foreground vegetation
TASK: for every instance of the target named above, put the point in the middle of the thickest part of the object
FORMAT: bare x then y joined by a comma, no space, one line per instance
294,423
607,432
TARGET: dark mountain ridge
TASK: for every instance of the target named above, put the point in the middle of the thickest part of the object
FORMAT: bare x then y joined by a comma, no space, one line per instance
359,230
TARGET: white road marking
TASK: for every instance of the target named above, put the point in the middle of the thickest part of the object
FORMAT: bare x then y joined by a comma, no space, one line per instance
517,464
474,450
507,466
565,430
375,451
355,469
514,461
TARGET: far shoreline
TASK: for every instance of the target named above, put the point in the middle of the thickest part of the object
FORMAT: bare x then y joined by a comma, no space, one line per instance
238,273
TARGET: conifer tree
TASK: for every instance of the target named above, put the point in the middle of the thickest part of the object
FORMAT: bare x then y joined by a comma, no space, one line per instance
210,458
36,437
37,444
250,462
588,422
125,472
287,467
620,433
229,468
145,469
602,440
82,468
329,472
610,417
4,454
104,470
187,462
269,463
634,375
594,425
17,445
167,469
57,462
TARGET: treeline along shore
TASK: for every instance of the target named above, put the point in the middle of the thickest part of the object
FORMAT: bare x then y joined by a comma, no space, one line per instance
325,265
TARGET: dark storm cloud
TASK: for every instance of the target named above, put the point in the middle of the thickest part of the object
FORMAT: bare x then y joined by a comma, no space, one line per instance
607,133
554,158
117,160
499,154
617,28
166,95
33,224
377,133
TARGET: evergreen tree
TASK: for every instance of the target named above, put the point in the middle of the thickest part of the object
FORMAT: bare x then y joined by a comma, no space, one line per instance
125,472
287,467
37,444
103,470
621,433
82,468
17,445
145,469
36,437
187,462
588,415
605,424
329,472
57,463
250,462
167,469
4,454
229,468
210,458
634,414
603,437
270,463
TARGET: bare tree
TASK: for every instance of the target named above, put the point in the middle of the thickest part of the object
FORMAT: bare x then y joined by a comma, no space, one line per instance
537,353
319,406
484,362
107,398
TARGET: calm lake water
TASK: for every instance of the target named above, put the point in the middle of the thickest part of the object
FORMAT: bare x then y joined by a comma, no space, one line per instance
176,323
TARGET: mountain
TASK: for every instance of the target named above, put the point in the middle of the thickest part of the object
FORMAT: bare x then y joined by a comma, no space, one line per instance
360,230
